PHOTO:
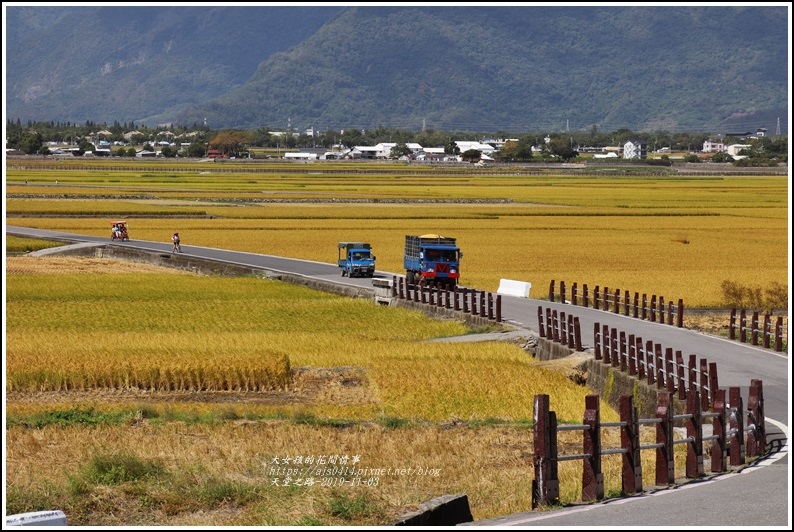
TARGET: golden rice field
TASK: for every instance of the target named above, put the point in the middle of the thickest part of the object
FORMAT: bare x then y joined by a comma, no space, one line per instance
95,324
163,332
208,379
677,237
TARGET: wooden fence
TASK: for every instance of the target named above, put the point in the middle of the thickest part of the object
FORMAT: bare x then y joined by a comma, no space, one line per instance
467,300
658,365
653,309
563,330
755,330
732,441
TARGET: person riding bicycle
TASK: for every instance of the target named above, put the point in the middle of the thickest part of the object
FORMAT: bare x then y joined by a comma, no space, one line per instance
175,239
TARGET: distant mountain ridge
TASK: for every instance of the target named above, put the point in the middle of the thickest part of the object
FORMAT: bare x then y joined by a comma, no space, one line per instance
457,68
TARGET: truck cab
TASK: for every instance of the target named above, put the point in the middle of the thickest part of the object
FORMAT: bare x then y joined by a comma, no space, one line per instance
432,259
355,259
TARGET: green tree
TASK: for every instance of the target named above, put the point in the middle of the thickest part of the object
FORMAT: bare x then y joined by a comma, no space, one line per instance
721,157
562,149
451,148
520,150
30,142
471,156
168,151
197,148
399,150
85,146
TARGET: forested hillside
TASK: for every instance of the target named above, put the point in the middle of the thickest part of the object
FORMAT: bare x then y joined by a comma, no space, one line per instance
505,68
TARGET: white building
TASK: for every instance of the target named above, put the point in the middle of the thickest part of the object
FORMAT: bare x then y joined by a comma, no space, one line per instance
466,145
635,149
301,156
710,146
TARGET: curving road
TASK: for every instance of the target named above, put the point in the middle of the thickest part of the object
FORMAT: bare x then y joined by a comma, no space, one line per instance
757,497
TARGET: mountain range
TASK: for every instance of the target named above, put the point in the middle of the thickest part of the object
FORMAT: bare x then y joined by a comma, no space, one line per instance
501,68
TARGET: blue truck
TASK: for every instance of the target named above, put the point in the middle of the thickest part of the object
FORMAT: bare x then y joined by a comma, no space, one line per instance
356,259
432,259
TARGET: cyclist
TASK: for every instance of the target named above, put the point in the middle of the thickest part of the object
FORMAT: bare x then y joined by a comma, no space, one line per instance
176,248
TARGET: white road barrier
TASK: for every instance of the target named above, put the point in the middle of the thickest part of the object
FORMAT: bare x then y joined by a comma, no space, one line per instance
514,288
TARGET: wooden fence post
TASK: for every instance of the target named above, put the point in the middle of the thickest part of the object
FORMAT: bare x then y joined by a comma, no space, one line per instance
573,294
555,326
632,356
630,441
577,334
640,359
743,326
661,309
585,302
669,376
732,327
659,365
592,477
713,382
563,329
679,360
551,291
694,433
650,362
704,384
562,292
665,465
499,308
597,340
756,441
779,334
653,308
719,451
767,330
545,487
540,322
549,324
613,347
680,314
754,331
736,444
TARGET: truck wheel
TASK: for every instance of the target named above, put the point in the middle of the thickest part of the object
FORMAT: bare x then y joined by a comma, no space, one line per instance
343,273
410,278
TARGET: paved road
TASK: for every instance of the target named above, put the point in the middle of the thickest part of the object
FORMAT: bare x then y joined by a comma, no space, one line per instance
757,497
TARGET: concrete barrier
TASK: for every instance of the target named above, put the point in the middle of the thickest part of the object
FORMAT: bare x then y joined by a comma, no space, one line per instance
447,510
514,288
44,518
